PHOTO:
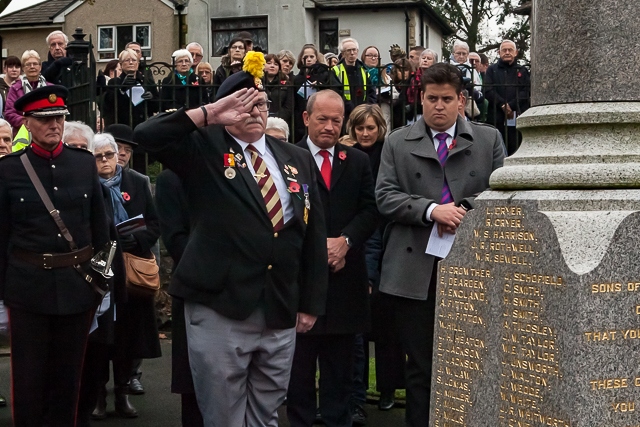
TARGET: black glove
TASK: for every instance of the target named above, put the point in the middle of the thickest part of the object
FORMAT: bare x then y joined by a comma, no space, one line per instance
64,61
147,95
128,243
129,80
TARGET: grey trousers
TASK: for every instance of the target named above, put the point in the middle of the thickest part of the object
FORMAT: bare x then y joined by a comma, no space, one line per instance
240,369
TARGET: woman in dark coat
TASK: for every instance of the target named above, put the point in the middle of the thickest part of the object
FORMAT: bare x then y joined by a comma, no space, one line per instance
135,331
312,77
181,88
278,88
231,62
367,127
128,99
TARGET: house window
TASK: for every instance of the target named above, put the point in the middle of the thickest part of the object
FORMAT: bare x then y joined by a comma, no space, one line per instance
223,30
112,40
328,29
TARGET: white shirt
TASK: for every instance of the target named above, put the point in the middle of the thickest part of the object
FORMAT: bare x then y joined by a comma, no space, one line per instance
450,132
274,170
315,152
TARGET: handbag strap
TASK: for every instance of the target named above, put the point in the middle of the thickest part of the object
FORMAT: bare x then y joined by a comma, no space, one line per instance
47,202
35,180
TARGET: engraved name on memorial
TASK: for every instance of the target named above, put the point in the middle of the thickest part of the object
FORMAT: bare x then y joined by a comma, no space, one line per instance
523,340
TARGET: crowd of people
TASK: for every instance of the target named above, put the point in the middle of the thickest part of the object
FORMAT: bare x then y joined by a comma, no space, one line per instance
296,209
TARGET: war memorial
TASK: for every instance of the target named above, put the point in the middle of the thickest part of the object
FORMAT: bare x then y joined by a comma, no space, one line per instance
538,307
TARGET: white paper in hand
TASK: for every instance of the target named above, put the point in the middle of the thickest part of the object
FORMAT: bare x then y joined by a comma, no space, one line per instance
136,94
439,246
512,122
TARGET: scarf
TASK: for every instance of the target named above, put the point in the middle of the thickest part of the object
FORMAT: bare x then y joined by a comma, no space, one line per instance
374,75
183,79
117,202
26,86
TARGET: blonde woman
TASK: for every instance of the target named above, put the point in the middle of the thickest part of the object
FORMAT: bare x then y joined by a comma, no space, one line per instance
127,99
204,70
32,79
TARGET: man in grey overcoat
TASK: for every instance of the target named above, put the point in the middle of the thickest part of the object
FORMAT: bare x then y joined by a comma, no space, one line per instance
430,174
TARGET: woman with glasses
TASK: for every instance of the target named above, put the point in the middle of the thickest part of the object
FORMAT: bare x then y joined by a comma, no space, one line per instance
231,62
371,60
32,79
134,332
204,70
312,77
278,88
129,99
180,89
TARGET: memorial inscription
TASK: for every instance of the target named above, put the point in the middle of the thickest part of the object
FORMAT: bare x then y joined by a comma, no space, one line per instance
511,349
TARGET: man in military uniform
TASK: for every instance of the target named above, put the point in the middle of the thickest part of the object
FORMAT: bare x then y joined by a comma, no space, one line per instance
43,281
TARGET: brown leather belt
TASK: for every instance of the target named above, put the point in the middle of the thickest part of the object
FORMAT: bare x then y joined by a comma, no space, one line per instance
49,261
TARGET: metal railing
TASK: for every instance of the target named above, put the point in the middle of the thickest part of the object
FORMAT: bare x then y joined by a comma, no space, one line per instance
156,91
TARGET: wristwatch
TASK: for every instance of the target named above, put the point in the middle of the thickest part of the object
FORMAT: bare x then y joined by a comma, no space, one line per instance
347,239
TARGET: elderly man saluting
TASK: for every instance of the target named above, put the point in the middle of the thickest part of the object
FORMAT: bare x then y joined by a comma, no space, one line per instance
255,268
45,277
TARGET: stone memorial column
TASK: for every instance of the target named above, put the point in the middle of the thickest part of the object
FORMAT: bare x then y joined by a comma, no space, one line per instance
538,309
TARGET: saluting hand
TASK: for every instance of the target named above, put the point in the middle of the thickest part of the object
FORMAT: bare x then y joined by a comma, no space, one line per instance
233,108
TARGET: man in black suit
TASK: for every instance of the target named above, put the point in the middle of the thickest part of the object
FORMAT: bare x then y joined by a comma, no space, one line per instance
43,277
175,227
255,263
347,192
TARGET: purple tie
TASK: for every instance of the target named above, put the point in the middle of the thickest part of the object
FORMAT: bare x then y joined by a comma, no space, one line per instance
443,153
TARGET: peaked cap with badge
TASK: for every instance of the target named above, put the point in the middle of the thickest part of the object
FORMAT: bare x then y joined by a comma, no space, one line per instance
44,101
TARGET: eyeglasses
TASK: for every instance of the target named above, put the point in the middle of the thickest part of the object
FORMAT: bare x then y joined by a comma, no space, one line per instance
130,60
125,149
350,50
237,47
31,64
372,56
104,156
262,105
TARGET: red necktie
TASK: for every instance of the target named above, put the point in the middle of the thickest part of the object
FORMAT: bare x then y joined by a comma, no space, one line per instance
325,170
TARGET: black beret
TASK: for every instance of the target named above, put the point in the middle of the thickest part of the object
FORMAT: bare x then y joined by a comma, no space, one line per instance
234,83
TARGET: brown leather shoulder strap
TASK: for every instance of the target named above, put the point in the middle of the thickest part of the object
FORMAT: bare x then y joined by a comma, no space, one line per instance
47,201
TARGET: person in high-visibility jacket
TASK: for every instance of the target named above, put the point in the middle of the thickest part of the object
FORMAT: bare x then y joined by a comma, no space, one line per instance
22,139
350,78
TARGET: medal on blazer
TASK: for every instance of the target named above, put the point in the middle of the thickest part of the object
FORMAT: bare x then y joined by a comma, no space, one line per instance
230,163
307,203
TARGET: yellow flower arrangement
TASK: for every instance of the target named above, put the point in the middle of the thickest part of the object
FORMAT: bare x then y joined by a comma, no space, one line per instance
254,64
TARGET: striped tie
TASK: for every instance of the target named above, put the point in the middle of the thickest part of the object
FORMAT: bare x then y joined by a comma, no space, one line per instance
268,189
443,153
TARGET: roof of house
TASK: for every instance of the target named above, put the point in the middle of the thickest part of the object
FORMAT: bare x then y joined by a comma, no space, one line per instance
39,14
442,23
